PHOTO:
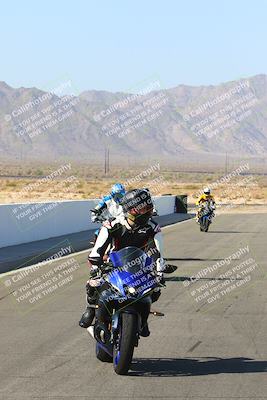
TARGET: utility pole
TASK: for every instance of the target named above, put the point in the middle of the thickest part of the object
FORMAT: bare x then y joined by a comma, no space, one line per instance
226,163
106,165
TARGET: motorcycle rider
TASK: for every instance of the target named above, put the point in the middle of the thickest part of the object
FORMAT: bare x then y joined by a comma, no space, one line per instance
206,197
135,229
109,207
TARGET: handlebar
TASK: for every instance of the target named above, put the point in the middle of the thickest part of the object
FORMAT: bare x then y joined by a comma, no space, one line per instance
95,211
107,267
99,217
103,269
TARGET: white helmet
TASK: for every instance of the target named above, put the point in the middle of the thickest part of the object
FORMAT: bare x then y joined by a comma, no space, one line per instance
207,190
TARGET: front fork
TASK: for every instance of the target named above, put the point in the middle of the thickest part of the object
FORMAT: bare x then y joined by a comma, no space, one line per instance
116,321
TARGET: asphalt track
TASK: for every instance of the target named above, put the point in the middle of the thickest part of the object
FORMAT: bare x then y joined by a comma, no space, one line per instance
204,348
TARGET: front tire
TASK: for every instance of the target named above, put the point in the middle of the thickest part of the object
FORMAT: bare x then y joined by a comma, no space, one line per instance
124,346
207,224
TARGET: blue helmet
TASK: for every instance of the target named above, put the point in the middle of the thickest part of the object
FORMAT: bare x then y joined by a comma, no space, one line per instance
117,192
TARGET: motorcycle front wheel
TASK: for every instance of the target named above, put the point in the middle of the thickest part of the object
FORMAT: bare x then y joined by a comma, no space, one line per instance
207,224
124,344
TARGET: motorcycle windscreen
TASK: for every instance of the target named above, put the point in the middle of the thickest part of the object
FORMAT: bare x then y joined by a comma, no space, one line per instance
128,257
132,267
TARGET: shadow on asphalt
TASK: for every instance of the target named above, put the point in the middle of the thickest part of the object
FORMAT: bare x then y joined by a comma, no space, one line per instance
193,279
167,367
230,232
193,259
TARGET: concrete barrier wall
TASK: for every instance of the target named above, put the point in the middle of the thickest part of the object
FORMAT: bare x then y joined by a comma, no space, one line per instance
28,222
164,204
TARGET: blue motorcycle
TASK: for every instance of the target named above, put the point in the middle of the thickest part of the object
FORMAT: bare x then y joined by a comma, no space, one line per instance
128,281
205,217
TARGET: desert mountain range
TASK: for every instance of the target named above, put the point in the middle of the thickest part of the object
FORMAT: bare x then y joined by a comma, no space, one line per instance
181,122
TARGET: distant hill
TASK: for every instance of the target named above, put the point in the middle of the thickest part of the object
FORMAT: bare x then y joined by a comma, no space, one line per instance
185,121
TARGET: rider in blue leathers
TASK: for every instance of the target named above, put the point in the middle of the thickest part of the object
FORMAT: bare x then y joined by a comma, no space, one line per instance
109,207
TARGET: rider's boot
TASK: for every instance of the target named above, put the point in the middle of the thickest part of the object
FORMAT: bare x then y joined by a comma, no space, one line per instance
145,332
89,313
87,317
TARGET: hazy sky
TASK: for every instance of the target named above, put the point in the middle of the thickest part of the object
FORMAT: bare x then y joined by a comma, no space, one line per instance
114,44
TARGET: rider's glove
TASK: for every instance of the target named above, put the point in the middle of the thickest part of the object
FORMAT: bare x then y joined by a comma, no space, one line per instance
95,279
95,271
95,213
93,218
160,264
